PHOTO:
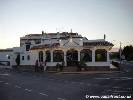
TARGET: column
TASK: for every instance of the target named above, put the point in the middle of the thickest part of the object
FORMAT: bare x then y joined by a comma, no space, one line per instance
78,55
51,52
65,62
93,55
108,57
34,56
44,55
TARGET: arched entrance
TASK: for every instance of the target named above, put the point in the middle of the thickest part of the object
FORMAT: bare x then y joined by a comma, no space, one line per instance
48,56
58,56
86,55
100,55
72,57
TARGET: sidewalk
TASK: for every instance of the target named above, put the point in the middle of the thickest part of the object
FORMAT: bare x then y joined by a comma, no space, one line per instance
60,72
5,67
84,72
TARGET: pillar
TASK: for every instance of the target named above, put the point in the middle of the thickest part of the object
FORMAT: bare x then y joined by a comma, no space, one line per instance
65,62
44,55
108,59
51,52
78,55
93,55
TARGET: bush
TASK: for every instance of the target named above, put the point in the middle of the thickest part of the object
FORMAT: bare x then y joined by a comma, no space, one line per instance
59,66
82,64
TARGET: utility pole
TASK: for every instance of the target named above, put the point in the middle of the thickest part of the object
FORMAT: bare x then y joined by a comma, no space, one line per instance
120,53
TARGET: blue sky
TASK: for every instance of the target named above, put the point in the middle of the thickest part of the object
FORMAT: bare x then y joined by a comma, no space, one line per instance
91,18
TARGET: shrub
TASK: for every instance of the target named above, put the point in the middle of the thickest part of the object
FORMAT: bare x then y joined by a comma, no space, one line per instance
59,66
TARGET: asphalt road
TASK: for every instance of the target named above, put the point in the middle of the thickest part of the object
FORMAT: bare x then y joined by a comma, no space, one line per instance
50,86
126,66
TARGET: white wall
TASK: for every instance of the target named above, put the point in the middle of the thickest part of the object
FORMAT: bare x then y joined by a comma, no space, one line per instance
4,57
33,57
52,63
98,63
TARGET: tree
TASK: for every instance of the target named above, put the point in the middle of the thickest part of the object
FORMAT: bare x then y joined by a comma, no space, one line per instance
128,52
115,55
18,60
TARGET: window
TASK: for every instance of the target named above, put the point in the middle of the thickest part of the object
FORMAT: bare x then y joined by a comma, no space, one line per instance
7,56
28,57
38,41
22,57
27,47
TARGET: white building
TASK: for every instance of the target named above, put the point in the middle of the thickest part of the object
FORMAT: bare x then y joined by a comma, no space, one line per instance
65,47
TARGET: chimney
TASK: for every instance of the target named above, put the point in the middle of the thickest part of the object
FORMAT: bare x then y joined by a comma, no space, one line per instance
104,36
71,31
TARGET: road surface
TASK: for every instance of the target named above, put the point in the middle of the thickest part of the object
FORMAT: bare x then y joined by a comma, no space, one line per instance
16,85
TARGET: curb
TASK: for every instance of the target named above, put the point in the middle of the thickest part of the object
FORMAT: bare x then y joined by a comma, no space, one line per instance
89,72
